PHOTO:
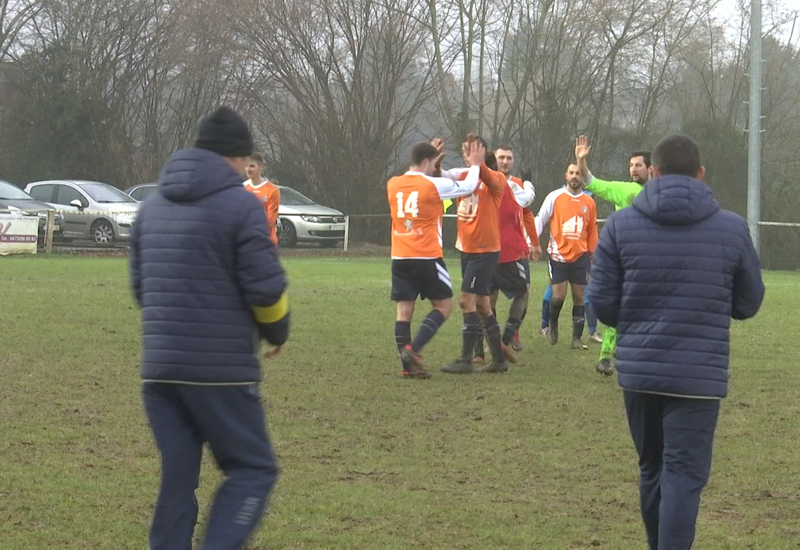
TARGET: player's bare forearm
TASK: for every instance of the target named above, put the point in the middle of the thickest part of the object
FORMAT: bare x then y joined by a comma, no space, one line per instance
583,168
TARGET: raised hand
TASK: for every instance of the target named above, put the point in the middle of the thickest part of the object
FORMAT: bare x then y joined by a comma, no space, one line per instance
439,145
582,148
527,175
476,152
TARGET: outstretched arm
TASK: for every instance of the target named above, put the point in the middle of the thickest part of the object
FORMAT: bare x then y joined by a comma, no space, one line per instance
582,150
618,193
545,212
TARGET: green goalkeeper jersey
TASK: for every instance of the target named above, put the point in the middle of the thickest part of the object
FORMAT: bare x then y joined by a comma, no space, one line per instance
619,193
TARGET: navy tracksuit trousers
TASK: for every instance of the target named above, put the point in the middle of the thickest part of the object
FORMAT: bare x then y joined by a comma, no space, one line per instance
231,420
673,437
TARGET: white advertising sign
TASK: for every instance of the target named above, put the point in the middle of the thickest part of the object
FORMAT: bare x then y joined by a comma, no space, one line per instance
18,234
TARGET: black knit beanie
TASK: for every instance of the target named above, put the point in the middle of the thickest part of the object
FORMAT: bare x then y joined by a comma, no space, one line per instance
225,133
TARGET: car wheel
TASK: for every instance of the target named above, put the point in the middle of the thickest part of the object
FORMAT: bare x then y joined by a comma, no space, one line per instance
288,235
329,244
102,232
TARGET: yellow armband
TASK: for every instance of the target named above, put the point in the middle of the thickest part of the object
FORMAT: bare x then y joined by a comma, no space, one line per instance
273,313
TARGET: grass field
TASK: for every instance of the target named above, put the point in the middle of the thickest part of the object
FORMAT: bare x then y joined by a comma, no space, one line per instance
537,458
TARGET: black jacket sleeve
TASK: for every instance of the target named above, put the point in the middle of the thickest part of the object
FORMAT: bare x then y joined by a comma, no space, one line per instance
260,277
748,288
607,277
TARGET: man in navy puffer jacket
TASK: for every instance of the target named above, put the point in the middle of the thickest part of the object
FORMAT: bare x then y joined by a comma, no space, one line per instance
669,274
207,277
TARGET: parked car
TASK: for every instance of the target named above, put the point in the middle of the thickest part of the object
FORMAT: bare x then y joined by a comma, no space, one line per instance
299,218
93,210
14,199
141,191
303,220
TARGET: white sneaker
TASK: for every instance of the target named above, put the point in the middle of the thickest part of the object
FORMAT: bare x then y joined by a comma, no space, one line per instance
594,337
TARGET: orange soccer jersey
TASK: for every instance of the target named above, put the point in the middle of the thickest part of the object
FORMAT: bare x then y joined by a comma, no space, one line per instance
270,196
573,224
529,221
416,209
478,214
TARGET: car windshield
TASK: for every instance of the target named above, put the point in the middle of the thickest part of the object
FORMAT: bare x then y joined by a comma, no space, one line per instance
102,192
148,190
290,197
13,193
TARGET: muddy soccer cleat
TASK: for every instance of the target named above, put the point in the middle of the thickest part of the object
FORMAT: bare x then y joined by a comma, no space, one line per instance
604,367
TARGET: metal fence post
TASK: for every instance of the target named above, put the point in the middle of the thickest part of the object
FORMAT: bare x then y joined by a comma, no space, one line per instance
346,232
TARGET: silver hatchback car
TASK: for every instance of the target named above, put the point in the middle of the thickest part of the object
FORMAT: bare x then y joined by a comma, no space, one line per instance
302,220
93,210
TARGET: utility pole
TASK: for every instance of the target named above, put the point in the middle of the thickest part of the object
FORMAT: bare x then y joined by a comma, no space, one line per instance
754,127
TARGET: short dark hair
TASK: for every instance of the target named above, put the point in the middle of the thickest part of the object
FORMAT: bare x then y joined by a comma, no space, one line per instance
677,154
644,154
257,158
423,151
504,148
491,161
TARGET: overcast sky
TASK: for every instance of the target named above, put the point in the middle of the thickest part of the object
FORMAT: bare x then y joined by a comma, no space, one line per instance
729,9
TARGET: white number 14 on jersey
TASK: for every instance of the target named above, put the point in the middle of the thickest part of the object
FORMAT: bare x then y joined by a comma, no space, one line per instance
410,206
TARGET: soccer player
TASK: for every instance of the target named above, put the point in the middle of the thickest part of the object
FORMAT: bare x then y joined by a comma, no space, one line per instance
266,191
572,216
418,268
621,195
591,318
479,243
512,275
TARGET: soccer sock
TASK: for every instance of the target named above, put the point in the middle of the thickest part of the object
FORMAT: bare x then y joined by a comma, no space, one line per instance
479,345
427,329
495,342
578,320
609,343
546,313
555,311
511,327
402,334
591,318
469,334
524,312
515,315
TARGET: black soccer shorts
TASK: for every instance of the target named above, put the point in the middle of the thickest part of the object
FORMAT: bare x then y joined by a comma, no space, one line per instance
512,278
577,272
477,271
427,279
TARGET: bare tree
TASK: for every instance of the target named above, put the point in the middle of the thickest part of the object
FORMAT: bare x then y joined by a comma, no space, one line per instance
14,16
340,85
